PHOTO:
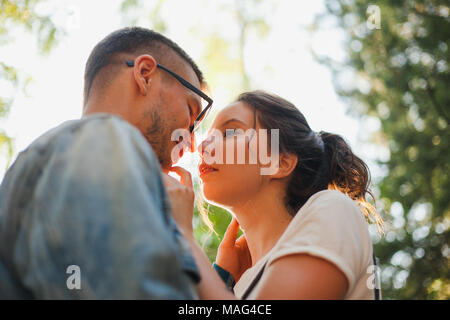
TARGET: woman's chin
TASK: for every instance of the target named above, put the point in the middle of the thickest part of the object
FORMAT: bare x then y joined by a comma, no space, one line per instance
221,189
213,194
209,192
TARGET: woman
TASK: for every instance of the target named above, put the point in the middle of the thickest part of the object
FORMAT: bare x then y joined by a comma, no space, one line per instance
304,235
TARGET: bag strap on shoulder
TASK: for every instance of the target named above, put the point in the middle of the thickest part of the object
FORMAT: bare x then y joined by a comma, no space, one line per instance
254,283
376,289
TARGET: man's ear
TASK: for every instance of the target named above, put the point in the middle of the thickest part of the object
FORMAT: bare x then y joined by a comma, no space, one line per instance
286,165
144,67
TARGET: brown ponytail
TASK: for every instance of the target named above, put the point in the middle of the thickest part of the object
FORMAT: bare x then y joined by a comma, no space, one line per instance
349,174
326,161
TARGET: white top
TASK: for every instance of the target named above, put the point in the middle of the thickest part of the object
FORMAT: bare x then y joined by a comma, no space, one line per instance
331,226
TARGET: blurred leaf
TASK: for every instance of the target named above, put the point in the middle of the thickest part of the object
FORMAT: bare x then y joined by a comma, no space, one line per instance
15,15
405,67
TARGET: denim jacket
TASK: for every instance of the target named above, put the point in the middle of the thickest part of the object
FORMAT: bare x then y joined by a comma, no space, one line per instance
90,194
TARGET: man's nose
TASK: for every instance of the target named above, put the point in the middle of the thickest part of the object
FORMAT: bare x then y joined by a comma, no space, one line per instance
203,146
193,143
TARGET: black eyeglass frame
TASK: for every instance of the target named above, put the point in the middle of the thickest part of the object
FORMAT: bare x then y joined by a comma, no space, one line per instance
188,85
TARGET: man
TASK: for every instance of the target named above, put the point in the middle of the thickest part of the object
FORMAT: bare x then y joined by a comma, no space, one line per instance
83,210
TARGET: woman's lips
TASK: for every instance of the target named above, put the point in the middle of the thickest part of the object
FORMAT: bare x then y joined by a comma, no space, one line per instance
205,169
180,147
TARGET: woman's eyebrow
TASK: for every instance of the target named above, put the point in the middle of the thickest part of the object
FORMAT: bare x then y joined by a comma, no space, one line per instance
234,119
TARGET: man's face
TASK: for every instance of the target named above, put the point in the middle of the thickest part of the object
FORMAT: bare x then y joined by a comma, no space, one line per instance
168,106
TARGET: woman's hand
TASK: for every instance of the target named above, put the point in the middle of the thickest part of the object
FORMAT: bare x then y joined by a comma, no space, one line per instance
181,195
233,255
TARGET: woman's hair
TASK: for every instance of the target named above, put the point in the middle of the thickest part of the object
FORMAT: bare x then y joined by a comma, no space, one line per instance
325,160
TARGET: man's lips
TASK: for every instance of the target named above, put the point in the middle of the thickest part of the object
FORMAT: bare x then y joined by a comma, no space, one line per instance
205,168
181,152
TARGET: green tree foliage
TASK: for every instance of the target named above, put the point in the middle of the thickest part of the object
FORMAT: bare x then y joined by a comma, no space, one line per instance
404,66
132,14
14,15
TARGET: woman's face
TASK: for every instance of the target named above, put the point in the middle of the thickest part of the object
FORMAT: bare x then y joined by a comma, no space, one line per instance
229,169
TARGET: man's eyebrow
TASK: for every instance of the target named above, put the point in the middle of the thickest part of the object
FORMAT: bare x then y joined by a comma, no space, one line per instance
234,119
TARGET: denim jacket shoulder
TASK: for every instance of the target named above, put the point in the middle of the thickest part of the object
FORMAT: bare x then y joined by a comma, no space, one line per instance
90,193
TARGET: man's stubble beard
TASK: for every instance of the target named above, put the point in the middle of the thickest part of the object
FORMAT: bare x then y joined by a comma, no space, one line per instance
158,135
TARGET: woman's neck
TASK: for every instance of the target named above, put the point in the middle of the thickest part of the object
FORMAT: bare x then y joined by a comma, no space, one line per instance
263,219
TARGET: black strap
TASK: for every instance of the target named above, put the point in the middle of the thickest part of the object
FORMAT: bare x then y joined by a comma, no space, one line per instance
254,283
377,290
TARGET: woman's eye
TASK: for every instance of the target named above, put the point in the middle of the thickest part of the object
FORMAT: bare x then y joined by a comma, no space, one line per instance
229,133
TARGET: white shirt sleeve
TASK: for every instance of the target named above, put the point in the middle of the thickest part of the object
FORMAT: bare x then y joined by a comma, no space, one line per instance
330,226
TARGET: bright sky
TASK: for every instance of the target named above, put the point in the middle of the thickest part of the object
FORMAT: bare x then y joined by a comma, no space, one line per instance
55,95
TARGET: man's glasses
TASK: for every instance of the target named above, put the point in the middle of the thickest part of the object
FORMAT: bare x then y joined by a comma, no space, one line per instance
185,83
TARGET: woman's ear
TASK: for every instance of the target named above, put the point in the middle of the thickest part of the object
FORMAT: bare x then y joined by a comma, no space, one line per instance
144,66
286,165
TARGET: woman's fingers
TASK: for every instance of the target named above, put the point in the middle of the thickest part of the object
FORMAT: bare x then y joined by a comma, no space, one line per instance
241,242
169,181
231,232
185,176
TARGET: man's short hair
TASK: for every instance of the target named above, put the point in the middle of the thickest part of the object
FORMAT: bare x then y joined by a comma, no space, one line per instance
132,40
